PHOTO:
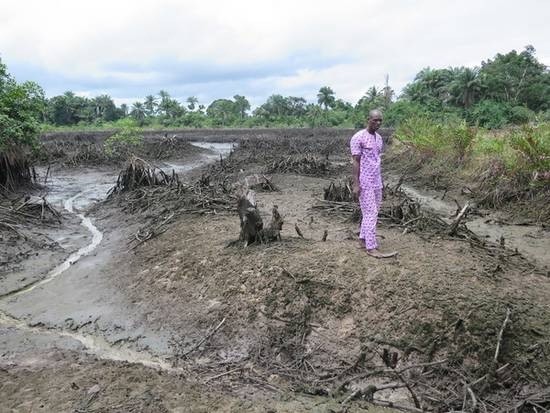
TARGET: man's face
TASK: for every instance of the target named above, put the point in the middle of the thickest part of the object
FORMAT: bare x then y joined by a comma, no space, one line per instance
374,122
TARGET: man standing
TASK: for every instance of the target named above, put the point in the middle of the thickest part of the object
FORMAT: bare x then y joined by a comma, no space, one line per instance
366,150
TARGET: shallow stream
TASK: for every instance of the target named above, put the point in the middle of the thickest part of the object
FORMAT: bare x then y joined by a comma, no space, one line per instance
74,191
531,241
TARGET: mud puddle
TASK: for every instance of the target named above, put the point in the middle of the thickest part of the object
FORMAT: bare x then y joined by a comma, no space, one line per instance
94,345
216,149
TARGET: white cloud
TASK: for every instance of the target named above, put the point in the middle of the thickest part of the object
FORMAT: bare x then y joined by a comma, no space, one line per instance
138,47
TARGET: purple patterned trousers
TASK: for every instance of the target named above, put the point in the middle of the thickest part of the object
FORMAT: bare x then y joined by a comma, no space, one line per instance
369,200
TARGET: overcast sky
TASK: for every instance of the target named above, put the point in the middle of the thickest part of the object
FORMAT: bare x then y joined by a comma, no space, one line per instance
216,49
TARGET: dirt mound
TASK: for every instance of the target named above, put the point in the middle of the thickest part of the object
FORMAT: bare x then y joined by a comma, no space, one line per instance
303,165
15,170
138,174
25,245
319,315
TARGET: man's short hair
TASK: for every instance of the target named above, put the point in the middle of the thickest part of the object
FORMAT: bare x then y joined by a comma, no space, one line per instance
373,112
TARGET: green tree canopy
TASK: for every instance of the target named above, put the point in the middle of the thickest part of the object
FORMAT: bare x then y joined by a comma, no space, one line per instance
325,97
150,105
139,112
465,86
21,110
518,79
241,105
192,102
105,108
222,111
430,87
511,88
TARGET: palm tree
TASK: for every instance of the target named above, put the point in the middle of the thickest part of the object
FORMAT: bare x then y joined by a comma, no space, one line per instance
192,102
372,94
276,106
164,105
124,110
429,85
150,105
173,108
466,86
242,105
221,111
297,106
138,112
314,115
416,92
372,99
325,97
164,94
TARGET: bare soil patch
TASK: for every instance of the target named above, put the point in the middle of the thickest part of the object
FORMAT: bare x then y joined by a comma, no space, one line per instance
68,381
321,317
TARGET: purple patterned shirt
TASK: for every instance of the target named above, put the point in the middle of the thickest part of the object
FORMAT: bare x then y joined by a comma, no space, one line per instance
369,147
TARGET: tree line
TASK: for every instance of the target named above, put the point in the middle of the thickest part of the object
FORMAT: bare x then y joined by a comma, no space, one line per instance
511,88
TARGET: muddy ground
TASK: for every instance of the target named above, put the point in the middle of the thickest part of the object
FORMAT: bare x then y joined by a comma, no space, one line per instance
169,313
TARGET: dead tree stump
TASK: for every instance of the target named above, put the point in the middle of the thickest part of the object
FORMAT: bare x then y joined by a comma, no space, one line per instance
252,227
273,231
251,221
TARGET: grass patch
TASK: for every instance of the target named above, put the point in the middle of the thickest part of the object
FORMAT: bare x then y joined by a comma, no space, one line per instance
510,165
451,140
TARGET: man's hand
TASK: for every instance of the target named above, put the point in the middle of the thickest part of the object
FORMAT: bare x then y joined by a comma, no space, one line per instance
356,191
355,176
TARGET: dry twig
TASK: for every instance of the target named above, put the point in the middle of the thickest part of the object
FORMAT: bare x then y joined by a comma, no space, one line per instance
196,346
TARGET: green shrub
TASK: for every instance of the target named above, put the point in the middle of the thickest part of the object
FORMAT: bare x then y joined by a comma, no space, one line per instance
517,153
452,140
125,141
494,149
489,114
520,115
533,145
402,110
543,116
422,134
21,106
461,137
